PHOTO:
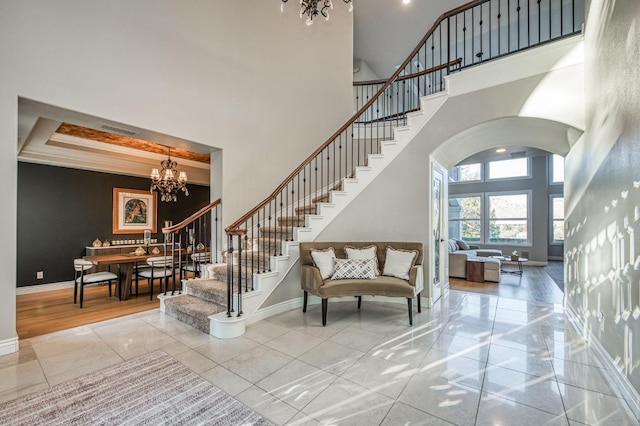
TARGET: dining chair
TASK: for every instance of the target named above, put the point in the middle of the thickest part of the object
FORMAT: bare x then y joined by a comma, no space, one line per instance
82,278
160,267
196,263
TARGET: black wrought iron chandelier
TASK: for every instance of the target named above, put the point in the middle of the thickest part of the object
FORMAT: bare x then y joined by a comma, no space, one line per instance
166,182
313,8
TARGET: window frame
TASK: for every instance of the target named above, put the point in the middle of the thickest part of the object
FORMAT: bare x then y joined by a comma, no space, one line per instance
529,194
485,219
550,162
462,182
479,195
487,178
552,240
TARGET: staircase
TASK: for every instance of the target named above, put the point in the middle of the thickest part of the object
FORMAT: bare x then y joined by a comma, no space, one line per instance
262,246
206,297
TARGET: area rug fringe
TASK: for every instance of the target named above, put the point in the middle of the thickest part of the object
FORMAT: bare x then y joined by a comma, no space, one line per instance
152,389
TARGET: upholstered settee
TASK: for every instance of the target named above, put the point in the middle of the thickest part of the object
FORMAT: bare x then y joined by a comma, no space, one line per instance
458,256
397,271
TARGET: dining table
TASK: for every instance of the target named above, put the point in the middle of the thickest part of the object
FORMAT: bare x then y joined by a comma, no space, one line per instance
126,263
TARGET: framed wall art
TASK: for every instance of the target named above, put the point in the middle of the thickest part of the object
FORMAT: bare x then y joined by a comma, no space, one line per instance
134,211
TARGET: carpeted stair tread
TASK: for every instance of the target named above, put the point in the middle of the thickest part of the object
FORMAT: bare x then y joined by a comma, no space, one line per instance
324,198
192,310
220,273
274,231
291,220
307,209
207,289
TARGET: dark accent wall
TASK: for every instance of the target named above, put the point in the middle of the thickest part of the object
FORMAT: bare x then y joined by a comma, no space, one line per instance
62,210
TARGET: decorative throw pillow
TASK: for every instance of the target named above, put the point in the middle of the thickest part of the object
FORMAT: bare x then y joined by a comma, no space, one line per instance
347,269
398,263
364,253
323,259
463,245
453,246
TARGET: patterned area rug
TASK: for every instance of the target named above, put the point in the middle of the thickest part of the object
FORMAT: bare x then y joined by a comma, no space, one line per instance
152,389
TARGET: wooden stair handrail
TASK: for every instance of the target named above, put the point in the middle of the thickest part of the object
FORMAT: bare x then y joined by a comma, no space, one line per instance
414,75
352,120
192,218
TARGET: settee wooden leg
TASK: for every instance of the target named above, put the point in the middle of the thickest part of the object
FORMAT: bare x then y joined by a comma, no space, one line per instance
304,302
419,297
410,305
324,312
359,301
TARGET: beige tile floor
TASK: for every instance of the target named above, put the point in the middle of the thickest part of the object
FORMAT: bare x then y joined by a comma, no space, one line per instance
474,359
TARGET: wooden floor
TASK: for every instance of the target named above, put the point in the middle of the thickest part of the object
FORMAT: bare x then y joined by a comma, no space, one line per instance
534,285
48,311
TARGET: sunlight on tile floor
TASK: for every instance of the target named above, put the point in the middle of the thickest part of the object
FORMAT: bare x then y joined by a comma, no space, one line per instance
473,359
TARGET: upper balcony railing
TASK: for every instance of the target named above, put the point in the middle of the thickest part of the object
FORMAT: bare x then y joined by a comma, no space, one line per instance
467,36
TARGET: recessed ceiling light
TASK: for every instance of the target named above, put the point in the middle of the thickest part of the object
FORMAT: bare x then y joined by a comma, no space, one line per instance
406,1
501,150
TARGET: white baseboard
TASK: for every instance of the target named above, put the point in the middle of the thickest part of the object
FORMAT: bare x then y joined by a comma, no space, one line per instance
278,308
9,346
620,383
37,288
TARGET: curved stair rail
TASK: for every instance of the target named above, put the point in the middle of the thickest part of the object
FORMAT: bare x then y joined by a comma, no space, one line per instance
463,37
194,242
474,33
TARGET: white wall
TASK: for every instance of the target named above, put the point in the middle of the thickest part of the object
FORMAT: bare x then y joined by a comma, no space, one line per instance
603,196
362,71
239,76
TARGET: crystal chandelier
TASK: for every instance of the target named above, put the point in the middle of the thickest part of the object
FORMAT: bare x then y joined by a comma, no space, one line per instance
310,8
165,181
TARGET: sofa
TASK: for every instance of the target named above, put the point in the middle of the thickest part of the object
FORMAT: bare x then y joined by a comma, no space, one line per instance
397,271
460,252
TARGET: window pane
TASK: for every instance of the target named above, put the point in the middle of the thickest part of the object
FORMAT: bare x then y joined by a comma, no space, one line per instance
465,173
558,218
558,230
557,171
508,231
558,208
464,208
470,231
508,206
464,218
517,167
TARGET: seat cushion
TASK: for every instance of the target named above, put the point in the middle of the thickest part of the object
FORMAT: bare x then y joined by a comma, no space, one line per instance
97,277
157,273
488,252
381,286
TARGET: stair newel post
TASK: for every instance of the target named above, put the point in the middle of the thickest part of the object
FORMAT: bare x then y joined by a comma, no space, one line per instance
239,274
168,236
215,231
278,235
230,275
173,259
